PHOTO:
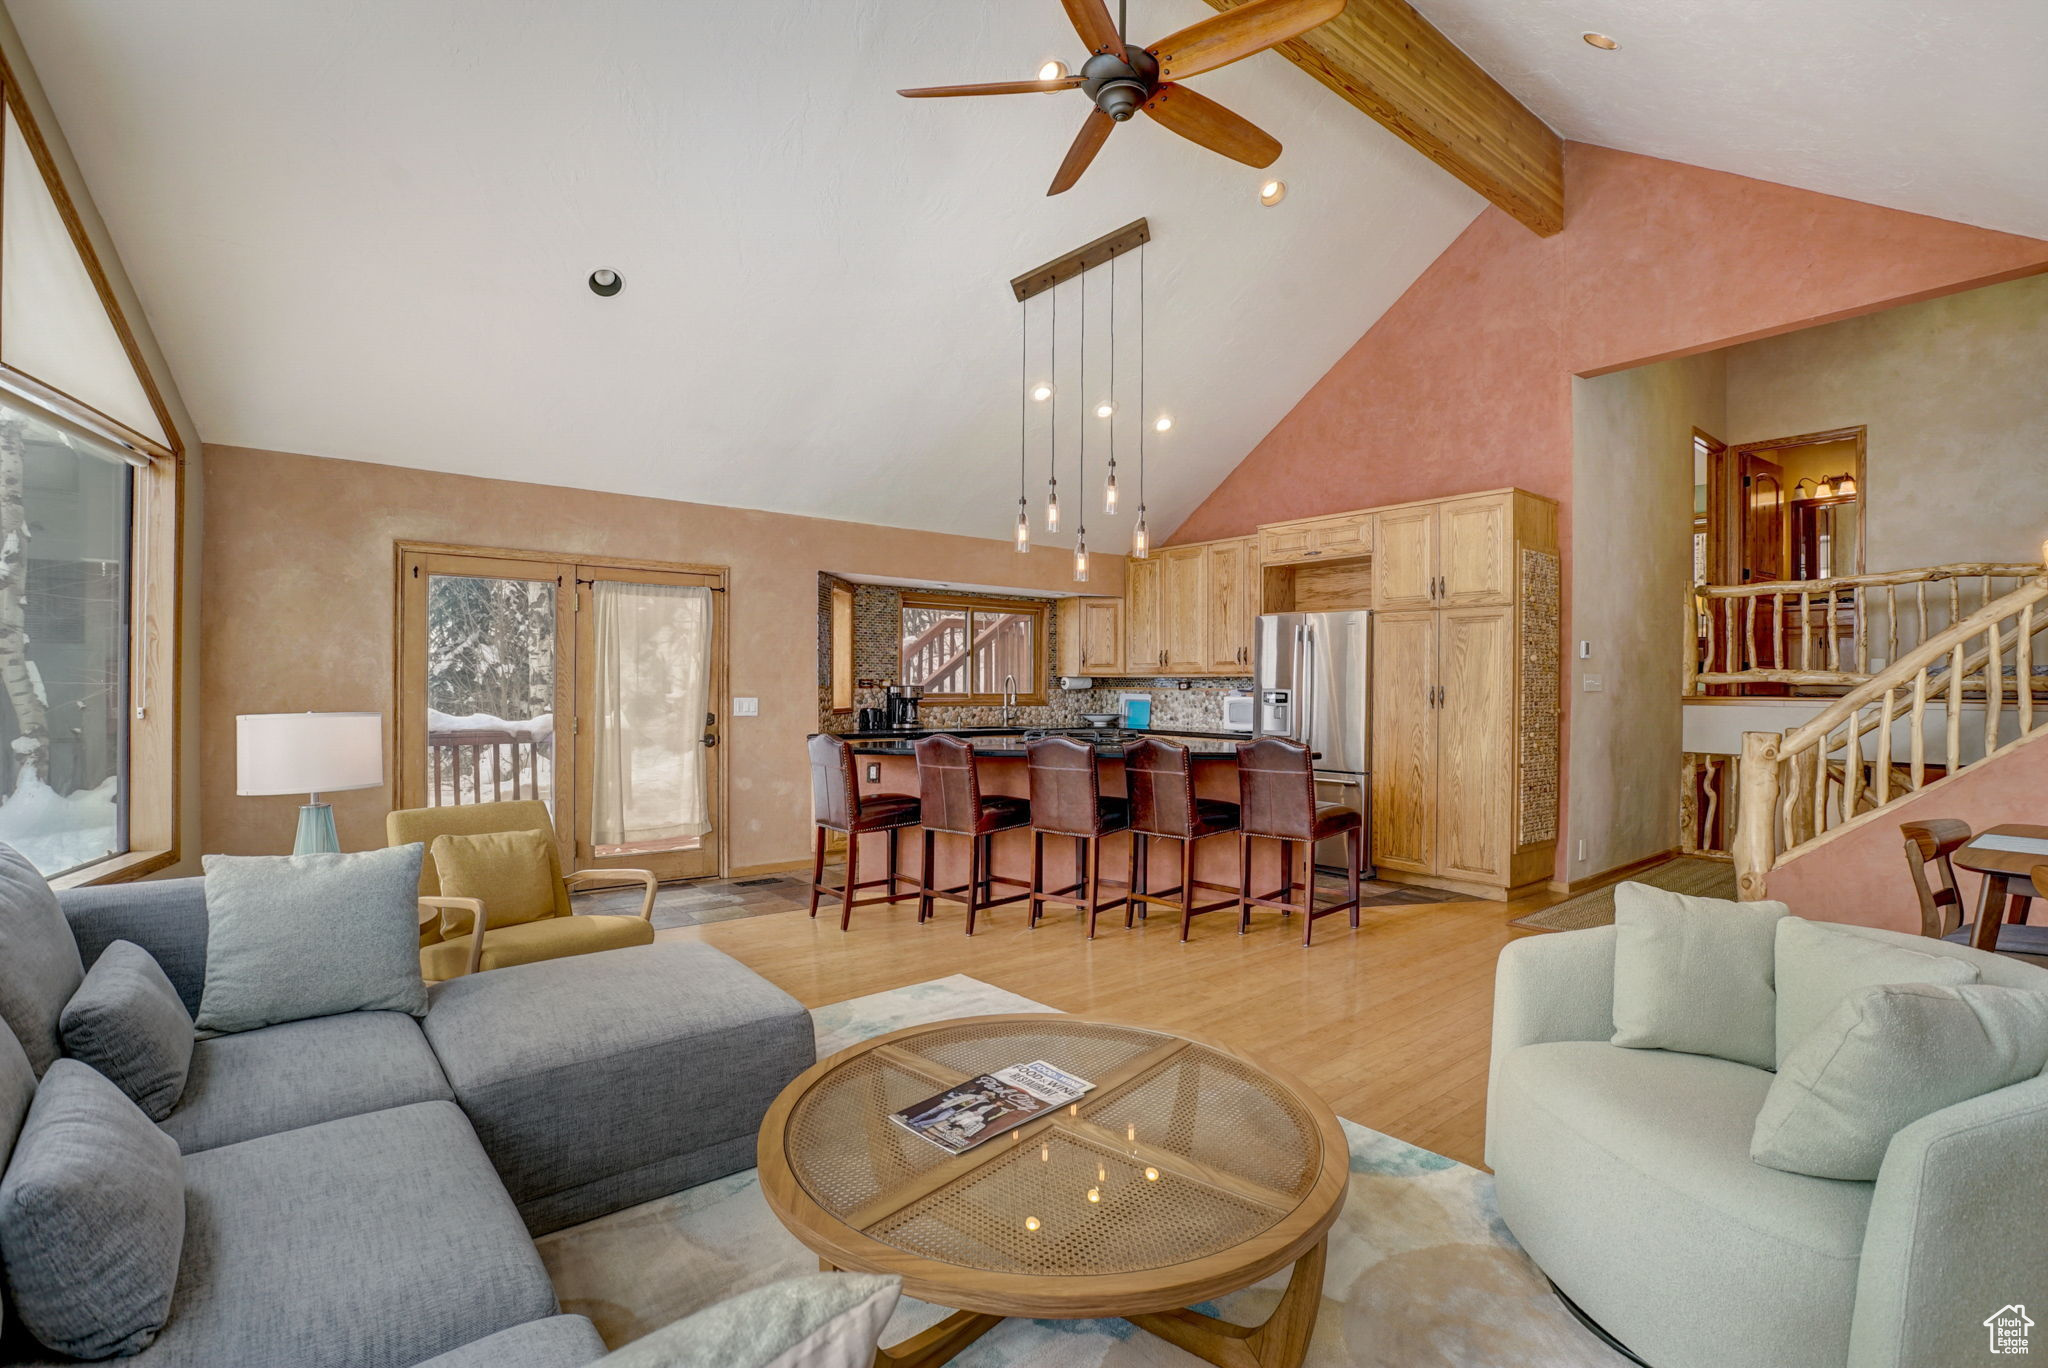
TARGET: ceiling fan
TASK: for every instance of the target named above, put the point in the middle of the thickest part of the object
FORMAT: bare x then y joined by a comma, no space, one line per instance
1122,79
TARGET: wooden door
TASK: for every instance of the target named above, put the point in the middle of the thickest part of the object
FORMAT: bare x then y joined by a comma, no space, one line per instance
1345,534
1144,652
1229,647
1405,558
1762,544
1285,543
1184,609
1101,623
1475,765
1476,553
1404,739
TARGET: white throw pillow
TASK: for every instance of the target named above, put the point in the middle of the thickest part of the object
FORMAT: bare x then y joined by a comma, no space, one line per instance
1818,965
823,1320
1886,1056
1695,975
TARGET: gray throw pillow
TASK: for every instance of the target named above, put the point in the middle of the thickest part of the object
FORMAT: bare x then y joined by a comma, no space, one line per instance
126,1021
92,1218
296,936
1817,965
39,964
1695,974
822,1320
1886,1056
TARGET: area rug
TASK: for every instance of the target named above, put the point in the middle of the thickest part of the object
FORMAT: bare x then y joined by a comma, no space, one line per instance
1422,1274
1685,874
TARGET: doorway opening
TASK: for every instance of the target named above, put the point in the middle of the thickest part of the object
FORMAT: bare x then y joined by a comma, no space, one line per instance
594,687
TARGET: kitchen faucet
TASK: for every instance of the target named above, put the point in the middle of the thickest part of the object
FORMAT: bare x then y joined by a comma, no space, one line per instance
1009,700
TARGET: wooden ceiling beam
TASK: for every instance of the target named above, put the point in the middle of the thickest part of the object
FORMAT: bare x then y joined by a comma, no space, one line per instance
1392,63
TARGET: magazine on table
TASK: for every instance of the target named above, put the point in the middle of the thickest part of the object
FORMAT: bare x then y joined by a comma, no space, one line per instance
966,1114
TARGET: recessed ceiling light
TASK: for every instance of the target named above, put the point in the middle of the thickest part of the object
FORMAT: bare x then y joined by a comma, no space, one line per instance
1053,71
1164,424
1272,192
1104,410
606,283
1041,391
1601,41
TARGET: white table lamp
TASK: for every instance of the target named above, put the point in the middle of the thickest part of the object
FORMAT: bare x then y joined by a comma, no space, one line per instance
310,753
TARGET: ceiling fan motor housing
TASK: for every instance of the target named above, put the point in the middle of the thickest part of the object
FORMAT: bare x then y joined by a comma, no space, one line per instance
1120,87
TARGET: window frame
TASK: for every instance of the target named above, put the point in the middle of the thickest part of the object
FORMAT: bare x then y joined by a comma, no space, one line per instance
1039,610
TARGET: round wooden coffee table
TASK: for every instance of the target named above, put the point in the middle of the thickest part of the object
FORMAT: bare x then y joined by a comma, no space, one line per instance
1189,1172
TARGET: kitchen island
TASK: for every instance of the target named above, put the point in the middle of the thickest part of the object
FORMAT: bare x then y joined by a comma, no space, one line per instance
889,756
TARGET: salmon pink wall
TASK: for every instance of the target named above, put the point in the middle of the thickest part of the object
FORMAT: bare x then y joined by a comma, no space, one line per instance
1466,383
1861,876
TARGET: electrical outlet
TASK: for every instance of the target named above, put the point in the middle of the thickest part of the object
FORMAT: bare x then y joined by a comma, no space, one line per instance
746,707
1591,683
875,777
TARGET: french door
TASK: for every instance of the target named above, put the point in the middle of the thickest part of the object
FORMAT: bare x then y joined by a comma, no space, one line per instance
593,687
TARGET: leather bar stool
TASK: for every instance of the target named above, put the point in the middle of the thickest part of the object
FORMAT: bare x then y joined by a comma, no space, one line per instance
837,805
1276,787
949,789
1160,777
1066,800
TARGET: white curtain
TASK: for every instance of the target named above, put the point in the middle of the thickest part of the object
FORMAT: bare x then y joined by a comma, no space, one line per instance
653,691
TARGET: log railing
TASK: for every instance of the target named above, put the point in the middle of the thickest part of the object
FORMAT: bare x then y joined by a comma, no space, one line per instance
1707,790
1893,734
1831,632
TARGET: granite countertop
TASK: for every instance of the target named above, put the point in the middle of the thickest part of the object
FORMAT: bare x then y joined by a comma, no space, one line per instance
1008,742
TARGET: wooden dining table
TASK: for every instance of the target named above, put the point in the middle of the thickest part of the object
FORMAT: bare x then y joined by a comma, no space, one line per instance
2008,875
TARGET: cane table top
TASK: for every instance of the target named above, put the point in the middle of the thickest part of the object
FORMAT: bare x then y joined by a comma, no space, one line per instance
1207,1172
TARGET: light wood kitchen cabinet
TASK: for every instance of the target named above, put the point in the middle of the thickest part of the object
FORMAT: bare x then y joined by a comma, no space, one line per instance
1333,537
1184,604
1233,593
1465,698
1144,649
1091,636
1404,558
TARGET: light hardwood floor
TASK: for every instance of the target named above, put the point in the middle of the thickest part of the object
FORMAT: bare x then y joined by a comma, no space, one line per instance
1389,1023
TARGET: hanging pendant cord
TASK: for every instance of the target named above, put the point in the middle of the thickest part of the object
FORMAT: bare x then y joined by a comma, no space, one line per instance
1052,440
1112,371
1081,510
1144,414
1023,392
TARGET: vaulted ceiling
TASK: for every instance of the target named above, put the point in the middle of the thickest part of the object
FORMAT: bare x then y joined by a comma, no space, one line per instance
362,228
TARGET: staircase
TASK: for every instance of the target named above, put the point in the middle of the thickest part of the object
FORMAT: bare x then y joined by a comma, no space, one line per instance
1903,734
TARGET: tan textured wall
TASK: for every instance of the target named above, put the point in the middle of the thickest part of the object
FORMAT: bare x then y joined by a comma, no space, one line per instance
1951,390
299,595
1631,562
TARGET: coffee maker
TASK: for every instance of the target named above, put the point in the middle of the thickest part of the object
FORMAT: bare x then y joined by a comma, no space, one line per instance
903,700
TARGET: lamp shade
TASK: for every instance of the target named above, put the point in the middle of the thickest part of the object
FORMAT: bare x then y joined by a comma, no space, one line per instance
308,752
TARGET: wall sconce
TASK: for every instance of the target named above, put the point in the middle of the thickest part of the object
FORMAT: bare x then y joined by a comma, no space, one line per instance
1827,487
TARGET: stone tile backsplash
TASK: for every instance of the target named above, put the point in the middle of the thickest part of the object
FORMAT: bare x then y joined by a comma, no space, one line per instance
877,611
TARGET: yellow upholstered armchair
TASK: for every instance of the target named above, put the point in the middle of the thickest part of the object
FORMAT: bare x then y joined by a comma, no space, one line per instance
497,864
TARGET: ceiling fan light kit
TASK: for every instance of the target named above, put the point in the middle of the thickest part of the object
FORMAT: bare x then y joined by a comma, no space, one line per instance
1120,79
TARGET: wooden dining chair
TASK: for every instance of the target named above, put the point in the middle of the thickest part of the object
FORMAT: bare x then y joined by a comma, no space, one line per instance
1932,843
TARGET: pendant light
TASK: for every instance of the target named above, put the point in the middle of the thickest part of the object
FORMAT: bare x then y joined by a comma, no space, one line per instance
1052,459
1023,413
1141,543
1109,485
1081,517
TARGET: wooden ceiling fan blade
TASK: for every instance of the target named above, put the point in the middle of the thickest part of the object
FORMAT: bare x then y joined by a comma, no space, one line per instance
1094,133
1238,33
1200,119
1091,20
993,88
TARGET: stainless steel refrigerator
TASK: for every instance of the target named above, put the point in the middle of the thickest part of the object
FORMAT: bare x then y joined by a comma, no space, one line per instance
1312,677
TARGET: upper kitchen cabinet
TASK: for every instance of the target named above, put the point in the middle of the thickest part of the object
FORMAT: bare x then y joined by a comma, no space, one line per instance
1456,553
1233,592
1144,646
1334,537
1091,635
1184,608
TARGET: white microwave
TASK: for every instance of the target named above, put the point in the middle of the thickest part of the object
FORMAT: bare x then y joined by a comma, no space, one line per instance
1239,711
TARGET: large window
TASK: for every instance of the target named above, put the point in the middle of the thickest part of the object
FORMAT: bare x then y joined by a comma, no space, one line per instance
970,650
64,545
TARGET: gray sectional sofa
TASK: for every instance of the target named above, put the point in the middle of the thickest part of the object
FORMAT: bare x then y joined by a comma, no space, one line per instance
362,1191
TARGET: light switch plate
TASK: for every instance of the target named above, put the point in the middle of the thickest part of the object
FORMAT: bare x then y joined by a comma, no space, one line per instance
746,707
1585,649
1591,683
